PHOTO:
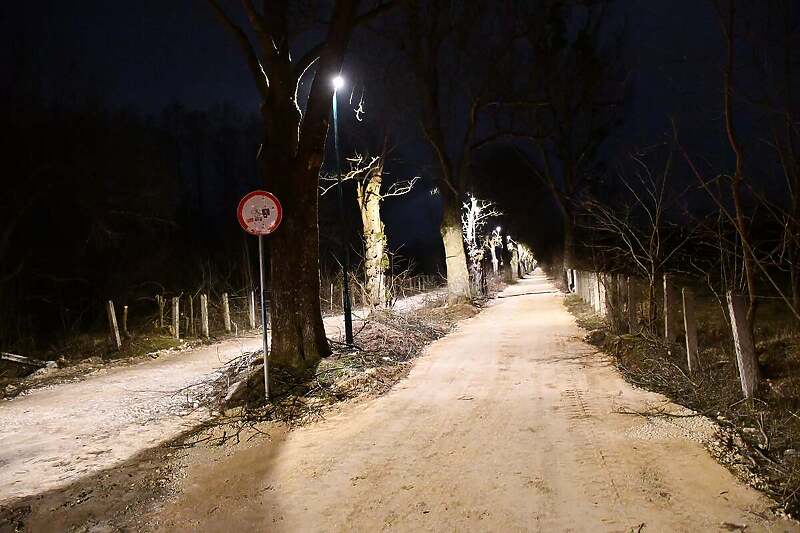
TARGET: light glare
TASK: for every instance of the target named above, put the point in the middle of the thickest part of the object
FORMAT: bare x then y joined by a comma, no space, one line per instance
338,82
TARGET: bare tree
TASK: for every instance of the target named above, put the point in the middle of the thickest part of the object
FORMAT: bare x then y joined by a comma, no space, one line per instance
581,85
368,175
636,231
460,65
474,216
291,156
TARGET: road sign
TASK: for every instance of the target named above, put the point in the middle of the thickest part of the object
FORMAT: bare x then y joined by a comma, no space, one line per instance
259,213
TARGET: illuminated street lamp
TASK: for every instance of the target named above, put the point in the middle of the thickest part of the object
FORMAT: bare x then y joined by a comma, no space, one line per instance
338,83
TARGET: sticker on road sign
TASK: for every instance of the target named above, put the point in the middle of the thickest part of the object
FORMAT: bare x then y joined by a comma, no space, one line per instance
259,213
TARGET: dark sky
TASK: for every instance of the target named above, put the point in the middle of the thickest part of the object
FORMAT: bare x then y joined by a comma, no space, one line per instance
146,54
150,53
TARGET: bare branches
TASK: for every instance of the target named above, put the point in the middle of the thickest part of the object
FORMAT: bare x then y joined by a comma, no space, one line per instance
256,69
311,56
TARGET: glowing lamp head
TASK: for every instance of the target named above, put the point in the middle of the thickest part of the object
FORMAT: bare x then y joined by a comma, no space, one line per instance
338,83
498,229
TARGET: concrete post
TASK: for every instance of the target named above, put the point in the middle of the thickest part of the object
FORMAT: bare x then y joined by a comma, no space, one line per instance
743,342
112,323
226,312
176,316
204,314
253,309
670,323
690,325
632,306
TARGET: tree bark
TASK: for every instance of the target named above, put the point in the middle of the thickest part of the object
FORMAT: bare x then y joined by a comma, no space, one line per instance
375,259
298,333
456,259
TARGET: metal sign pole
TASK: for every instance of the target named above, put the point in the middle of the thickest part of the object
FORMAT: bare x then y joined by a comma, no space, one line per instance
264,321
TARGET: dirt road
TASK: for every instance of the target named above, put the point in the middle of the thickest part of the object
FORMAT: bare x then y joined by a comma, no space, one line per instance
509,424
52,436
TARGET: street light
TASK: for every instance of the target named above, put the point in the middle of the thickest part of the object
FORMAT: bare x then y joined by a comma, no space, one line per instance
338,83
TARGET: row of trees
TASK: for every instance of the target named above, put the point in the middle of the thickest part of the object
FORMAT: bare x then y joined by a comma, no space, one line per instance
466,82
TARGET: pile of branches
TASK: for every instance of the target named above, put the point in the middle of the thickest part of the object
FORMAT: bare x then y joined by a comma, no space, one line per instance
385,344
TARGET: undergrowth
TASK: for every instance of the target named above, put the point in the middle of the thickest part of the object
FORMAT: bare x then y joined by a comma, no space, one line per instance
767,429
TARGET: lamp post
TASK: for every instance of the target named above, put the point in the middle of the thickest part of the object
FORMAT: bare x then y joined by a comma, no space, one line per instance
338,83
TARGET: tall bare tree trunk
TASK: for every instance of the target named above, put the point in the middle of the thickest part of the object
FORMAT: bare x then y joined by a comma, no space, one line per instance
456,259
298,333
375,259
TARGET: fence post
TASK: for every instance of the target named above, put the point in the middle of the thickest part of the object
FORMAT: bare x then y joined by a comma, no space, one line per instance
252,310
601,293
743,342
160,302
226,312
204,314
690,325
125,321
190,329
176,315
632,305
112,323
670,325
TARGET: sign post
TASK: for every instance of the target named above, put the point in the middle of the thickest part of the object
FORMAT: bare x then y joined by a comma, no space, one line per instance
260,213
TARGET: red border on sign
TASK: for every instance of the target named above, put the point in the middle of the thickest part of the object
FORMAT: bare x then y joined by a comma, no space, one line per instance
269,195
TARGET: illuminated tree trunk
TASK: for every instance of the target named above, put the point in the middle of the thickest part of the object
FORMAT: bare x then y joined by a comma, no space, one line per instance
456,259
298,333
375,259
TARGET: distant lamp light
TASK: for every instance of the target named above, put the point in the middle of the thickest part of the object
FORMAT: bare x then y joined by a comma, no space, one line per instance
499,229
338,83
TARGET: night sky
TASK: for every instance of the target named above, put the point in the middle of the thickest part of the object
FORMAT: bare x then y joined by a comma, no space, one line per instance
148,54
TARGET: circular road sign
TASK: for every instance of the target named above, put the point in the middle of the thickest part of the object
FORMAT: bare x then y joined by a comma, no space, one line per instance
259,213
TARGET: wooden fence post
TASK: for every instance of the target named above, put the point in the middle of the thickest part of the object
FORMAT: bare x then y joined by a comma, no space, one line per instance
632,305
125,321
112,322
226,312
190,329
176,315
204,314
690,325
746,357
670,325
252,310
161,303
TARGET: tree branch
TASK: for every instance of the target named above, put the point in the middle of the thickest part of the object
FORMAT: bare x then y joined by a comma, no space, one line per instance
259,76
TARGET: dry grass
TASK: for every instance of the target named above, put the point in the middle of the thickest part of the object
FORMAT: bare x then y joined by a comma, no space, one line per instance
760,439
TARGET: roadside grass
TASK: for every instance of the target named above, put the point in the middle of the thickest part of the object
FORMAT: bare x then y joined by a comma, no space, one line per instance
759,439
